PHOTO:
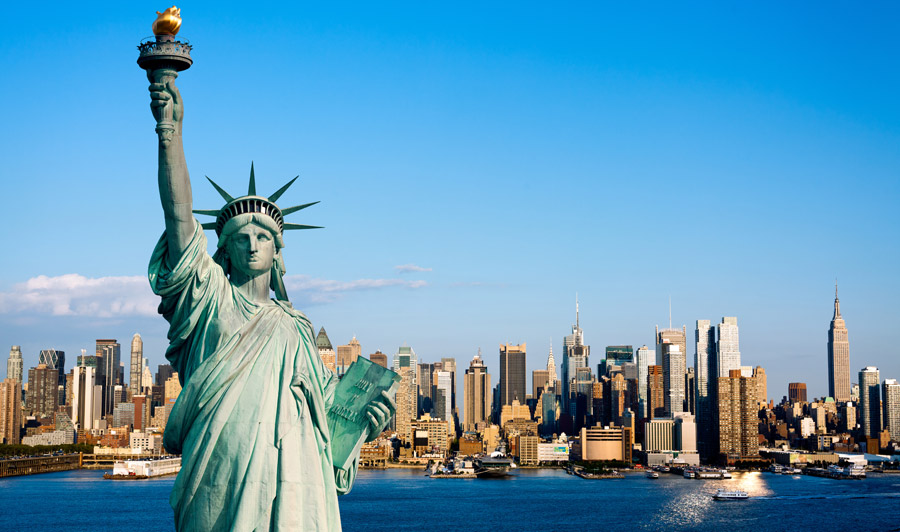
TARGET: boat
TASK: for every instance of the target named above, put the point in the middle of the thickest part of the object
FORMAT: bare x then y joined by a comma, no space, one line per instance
727,495
141,469
652,474
689,473
129,476
496,464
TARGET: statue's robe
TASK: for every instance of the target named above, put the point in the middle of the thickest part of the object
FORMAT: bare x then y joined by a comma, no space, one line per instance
250,422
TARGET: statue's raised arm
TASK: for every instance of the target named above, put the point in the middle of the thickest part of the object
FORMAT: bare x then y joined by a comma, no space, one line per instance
174,181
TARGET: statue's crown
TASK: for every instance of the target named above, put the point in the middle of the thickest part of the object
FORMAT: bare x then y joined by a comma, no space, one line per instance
253,204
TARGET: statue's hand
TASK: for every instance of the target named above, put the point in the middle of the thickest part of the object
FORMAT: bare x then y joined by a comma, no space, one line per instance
166,103
380,411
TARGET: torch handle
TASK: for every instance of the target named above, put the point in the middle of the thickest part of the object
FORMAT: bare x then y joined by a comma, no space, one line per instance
165,122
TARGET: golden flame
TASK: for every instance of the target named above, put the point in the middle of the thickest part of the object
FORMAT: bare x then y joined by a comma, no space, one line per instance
168,22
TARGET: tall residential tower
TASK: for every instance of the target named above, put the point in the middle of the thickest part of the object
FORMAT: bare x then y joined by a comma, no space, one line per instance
728,351
14,364
137,361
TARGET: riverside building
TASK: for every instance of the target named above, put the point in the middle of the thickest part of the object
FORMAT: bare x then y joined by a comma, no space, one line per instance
738,416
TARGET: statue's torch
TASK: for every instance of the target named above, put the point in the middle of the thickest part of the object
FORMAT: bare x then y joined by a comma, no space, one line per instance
163,57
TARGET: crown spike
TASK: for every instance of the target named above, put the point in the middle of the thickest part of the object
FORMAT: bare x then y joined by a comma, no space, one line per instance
288,227
251,190
206,212
274,197
226,196
291,210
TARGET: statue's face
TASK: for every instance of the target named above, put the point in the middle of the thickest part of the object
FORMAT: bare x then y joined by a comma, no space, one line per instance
251,250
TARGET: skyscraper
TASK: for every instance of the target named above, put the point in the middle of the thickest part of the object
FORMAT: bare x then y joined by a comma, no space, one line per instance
512,373
405,357
762,387
53,359
443,396
551,367
449,364
738,432
655,401
690,386
137,361
728,352
477,394
14,364
406,401
347,354
671,352
870,401
426,379
575,355
797,392
890,404
326,351
838,355
110,351
539,380
41,397
10,411
673,363
619,354
86,397
379,358
705,383
163,372
644,359
406,365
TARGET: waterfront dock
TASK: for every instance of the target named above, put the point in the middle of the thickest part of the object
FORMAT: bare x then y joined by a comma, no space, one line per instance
33,465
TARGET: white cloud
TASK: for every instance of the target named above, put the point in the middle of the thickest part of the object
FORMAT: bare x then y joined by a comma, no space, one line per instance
76,295
73,294
326,290
410,268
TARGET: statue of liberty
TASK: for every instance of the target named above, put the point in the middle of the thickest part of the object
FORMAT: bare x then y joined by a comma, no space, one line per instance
250,422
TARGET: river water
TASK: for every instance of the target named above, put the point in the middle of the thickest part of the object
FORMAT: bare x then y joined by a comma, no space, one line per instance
547,500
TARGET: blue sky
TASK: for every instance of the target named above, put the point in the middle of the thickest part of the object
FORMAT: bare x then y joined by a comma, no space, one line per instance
737,159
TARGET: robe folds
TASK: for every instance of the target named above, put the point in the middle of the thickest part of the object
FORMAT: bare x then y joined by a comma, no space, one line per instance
250,422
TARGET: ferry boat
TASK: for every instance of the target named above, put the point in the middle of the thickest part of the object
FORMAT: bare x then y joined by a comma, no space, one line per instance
142,469
688,473
652,474
726,495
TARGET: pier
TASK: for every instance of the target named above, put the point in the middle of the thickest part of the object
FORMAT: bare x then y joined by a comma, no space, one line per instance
34,465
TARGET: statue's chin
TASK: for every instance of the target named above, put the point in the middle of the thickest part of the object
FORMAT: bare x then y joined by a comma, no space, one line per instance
247,274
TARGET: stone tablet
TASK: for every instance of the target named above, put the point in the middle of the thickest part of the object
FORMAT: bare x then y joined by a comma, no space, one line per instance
347,419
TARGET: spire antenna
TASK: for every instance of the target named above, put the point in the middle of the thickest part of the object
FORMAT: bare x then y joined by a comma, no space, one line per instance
577,323
670,311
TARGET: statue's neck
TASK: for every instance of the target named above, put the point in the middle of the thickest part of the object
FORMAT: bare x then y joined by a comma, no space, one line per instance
255,288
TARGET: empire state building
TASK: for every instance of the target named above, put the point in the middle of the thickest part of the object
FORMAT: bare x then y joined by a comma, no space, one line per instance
838,356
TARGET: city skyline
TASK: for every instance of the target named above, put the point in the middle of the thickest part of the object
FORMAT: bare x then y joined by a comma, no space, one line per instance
479,171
